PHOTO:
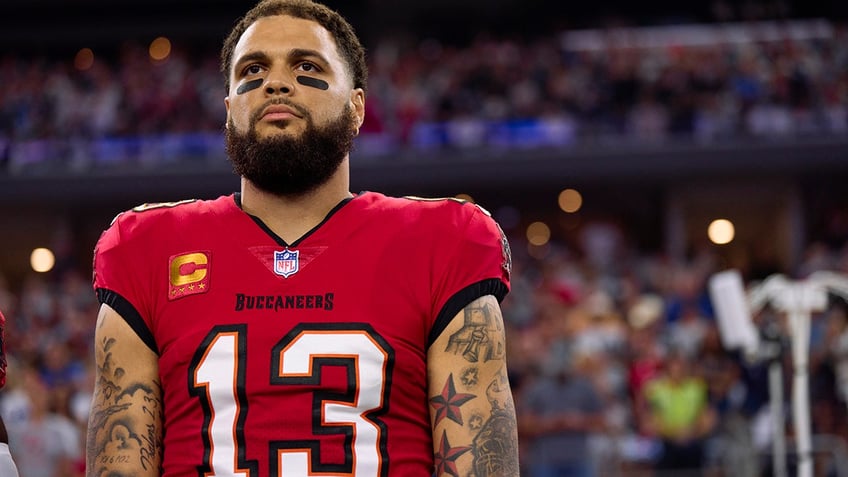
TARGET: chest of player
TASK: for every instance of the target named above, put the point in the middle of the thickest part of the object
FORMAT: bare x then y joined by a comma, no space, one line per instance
312,330
273,284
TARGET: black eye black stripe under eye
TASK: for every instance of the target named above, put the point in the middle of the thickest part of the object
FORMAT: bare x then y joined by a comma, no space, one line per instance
313,82
304,80
249,86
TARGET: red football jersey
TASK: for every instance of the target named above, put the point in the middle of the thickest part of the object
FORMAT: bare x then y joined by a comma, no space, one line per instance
2,350
298,359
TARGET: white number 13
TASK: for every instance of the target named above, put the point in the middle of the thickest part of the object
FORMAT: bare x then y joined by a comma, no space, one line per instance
217,378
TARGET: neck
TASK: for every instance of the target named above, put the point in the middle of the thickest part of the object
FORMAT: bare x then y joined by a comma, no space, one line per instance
290,217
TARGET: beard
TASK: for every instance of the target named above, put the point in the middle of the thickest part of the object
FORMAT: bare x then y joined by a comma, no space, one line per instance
288,166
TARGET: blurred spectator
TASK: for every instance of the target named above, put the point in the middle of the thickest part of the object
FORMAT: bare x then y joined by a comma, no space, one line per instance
559,412
45,443
646,350
679,413
58,368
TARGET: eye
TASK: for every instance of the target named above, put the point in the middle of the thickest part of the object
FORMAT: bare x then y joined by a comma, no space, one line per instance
253,69
309,67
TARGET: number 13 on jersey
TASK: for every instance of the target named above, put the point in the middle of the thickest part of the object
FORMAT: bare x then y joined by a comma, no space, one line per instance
217,378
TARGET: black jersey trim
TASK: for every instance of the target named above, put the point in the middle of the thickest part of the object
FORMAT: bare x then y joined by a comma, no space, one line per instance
277,238
331,213
129,314
461,299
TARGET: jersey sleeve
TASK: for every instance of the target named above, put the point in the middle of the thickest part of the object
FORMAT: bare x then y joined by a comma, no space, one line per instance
478,264
122,275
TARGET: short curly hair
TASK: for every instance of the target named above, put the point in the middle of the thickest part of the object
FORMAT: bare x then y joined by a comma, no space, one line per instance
347,42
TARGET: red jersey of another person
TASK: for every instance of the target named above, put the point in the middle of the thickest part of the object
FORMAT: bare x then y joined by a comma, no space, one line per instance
2,350
300,359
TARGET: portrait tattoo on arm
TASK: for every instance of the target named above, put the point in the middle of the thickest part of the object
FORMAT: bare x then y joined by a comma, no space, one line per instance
494,446
117,443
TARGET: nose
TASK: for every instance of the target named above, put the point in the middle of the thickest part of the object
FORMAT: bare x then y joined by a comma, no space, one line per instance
272,89
278,86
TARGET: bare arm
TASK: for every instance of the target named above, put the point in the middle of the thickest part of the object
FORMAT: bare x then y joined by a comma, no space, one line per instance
471,405
124,436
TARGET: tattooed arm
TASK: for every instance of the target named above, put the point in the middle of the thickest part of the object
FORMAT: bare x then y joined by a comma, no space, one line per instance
124,436
471,406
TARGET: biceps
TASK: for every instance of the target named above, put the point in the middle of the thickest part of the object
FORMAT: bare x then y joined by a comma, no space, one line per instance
471,405
124,429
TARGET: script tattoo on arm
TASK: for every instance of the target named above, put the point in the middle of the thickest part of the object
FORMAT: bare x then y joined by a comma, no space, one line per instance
124,431
471,405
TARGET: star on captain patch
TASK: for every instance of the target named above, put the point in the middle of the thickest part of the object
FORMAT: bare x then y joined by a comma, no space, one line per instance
286,263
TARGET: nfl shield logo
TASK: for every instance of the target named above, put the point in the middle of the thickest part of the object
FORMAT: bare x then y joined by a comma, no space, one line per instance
286,262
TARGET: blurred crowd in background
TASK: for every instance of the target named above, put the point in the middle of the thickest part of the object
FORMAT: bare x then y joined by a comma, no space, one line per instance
615,358
500,92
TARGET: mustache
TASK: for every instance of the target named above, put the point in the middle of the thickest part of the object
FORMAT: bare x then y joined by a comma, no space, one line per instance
301,111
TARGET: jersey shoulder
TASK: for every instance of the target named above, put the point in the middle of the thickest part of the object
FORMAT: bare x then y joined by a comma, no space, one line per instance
156,221
442,221
441,213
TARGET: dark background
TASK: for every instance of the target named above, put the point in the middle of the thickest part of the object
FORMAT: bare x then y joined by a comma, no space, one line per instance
55,27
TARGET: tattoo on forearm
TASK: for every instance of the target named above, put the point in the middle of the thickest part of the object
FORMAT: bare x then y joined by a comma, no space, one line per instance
114,439
448,402
475,422
445,458
495,446
470,376
487,436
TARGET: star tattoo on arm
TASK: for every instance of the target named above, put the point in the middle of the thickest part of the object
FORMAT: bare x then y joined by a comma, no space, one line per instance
446,457
448,402
469,376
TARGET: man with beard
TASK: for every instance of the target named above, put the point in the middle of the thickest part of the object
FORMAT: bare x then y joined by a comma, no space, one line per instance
295,328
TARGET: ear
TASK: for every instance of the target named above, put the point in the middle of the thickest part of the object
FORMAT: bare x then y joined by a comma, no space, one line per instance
227,106
357,101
